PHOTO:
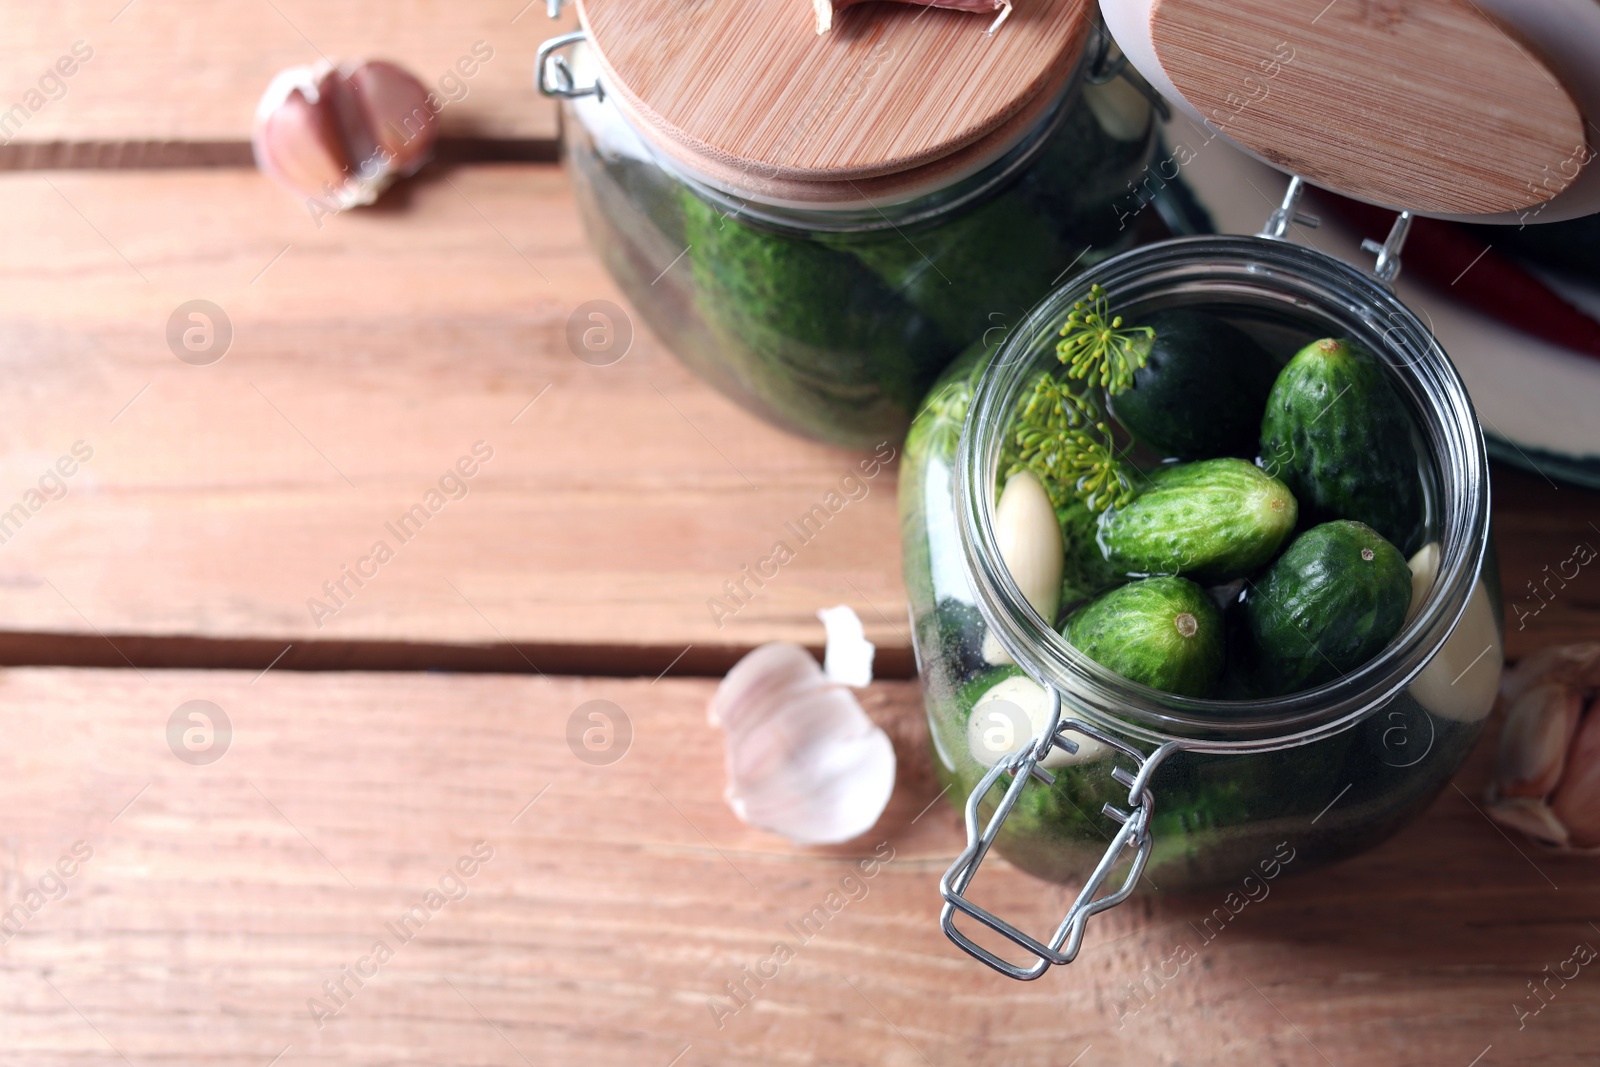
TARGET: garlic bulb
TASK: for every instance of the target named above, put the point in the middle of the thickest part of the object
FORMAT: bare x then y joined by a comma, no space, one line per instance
803,759
826,9
1012,711
1028,535
341,135
1547,777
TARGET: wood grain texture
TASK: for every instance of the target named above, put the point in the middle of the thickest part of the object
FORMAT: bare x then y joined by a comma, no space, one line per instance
618,905
368,357
378,349
750,84
191,71
1427,104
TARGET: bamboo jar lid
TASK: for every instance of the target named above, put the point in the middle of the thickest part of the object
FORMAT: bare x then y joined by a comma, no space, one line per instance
1433,106
749,94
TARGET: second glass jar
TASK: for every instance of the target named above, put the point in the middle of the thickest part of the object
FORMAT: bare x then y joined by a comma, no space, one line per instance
833,323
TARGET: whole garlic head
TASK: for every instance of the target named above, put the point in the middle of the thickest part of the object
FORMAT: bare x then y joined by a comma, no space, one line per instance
803,759
1547,777
340,135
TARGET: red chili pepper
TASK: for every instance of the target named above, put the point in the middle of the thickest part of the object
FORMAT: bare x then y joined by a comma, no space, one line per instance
1459,264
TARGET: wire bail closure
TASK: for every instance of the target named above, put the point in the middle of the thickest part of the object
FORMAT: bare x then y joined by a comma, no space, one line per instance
1387,267
554,73
1134,834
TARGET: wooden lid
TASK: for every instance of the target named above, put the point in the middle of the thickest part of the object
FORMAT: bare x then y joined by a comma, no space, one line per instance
747,87
1425,105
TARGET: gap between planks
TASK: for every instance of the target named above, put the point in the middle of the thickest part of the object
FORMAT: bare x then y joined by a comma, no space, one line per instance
158,155
179,652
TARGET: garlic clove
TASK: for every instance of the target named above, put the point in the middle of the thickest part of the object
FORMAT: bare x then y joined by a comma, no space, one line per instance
1011,712
395,106
1028,534
1531,817
768,674
1574,665
1533,745
1424,567
803,759
1463,678
1576,800
341,135
296,142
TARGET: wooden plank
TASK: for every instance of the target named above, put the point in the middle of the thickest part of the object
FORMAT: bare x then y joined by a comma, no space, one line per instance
177,72
621,900
378,349
368,357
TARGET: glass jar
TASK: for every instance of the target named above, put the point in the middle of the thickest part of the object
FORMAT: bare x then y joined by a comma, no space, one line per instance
832,320
1209,792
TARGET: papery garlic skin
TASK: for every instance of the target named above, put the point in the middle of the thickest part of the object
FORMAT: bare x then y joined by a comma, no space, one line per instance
1547,775
803,760
340,135
847,657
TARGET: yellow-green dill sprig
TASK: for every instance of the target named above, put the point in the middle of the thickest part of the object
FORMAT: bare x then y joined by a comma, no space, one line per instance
1062,437
1097,348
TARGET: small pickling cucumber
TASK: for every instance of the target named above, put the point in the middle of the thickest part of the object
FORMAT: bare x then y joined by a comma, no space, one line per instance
1201,392
1330,603
1339,435
1163,632
1086,571
1213,521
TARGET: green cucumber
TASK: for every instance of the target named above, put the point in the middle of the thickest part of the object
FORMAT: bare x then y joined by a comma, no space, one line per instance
1086,572
1213,521
1330,603
1339,436
1202,391
1163,632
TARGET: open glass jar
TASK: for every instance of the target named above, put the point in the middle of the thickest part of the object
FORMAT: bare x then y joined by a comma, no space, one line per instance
1312,777
825,289
1073,771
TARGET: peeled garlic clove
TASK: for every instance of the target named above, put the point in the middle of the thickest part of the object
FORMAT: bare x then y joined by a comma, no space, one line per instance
1461,680
1576,800
1533,746
803,759
1424,567
825,9
1574,665
1013,711
1028,535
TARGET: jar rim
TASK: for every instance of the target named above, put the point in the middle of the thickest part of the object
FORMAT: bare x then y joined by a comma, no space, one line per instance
1315,284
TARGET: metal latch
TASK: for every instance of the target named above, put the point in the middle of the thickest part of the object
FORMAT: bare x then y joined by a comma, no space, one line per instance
1134,836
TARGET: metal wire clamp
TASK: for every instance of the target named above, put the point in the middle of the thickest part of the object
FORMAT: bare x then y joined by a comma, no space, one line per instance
1134,835
554,73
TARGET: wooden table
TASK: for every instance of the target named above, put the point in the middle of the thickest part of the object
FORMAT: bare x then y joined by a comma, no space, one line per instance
225,913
